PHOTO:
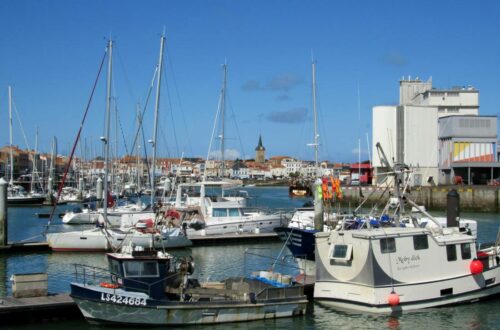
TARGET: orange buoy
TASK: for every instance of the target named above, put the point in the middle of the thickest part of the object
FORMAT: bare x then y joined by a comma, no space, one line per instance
476,267
393,299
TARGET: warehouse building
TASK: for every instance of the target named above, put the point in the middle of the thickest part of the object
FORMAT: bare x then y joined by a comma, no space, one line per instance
438,133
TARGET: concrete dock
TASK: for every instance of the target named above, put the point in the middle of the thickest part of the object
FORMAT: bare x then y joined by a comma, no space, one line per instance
38,309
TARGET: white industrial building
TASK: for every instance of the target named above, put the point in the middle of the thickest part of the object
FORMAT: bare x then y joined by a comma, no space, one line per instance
410,132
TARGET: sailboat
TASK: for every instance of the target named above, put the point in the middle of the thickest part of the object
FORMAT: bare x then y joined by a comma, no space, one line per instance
144,233
208,207
17,195
299,234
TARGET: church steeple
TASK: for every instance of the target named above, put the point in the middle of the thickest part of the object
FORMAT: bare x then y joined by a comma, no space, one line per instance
260,152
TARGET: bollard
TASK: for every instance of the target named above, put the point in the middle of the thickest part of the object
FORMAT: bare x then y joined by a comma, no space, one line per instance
3,213
318,206
452,208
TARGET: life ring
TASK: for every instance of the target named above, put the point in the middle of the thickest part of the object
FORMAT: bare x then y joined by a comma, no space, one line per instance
109,285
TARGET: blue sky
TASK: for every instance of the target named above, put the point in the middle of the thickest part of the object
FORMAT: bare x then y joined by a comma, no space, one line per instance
50,52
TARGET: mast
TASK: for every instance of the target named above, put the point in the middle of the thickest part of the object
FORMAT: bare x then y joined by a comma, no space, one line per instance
138,189
11,181
157,106
223,107
34,171
315,114
106,138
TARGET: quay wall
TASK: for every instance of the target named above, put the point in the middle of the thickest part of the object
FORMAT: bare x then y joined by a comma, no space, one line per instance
472,198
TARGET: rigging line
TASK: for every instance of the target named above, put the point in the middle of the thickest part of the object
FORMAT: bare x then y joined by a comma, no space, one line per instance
212,137
236,124
121,129
164,138
171,111
144,110
20,125
61,184
145,148
127,80
325,150
183,117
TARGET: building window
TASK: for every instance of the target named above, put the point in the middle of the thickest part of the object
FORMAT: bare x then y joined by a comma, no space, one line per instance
466,252
420,242
387,245
451,252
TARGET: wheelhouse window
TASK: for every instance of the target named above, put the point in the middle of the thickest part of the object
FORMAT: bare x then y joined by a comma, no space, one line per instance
114,267
466,251
451,252
141,268
420,242
219,212
388,245
341,252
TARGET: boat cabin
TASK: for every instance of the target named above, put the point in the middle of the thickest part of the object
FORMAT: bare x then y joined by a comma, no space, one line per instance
380,257
142,271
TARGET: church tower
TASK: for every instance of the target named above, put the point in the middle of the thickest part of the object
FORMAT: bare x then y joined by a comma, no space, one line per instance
260,152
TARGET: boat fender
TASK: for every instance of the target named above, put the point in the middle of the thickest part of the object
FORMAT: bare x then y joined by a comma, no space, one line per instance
476,267
393,299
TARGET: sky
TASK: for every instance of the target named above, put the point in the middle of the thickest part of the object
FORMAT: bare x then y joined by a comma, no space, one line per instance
50,52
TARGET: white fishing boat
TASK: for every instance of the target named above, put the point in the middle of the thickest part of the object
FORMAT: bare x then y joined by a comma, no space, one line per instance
397,267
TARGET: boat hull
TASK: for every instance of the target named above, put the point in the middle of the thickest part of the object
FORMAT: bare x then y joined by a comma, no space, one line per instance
356,306
11,201
300,242
96,240
96,309
232,225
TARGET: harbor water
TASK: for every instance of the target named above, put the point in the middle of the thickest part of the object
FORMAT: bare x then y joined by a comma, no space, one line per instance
218,262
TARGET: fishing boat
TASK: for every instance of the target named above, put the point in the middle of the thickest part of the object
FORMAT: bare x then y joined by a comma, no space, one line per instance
396,267
156,289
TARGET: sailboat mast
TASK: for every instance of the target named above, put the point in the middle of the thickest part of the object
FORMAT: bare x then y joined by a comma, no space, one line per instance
315,116
11,181
155,129
223,109
108,119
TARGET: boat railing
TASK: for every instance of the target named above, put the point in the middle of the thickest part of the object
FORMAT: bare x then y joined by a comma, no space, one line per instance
280,293
91,275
